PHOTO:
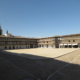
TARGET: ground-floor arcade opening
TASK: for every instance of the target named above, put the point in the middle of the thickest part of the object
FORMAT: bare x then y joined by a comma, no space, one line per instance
66,46
13,47
31,45
39,46
17,47
5,47
9,47
47,46
42,45
70,46
75,46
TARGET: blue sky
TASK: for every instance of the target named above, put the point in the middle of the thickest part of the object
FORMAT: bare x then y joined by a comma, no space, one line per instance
40,18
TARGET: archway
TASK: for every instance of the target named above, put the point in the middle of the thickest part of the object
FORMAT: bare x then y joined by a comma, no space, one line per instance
17,47
5,47
9,47
13,47
70,46
75,46
66,46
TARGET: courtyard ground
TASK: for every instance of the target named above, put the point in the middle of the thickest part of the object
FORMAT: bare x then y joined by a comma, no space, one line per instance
39,67
41,53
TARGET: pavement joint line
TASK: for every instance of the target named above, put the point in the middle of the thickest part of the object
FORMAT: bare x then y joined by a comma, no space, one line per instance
17,67
76,57
66,53
61,68
54,57
16,55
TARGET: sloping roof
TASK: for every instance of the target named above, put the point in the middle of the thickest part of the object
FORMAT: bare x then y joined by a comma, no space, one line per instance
49,37
8,33
16,37
71,35
39,38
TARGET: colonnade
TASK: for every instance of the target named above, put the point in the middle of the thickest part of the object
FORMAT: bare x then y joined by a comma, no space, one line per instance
68,46
46,46
17,46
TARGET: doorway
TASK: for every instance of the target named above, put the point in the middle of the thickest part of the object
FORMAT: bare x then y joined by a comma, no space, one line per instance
9,47
5,47
75,46
13,47
31,45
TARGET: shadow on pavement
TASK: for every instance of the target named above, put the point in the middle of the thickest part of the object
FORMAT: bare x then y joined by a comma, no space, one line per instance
13,67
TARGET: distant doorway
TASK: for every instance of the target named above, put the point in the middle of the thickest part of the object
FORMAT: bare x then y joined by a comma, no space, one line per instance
9,47
42,45
75,46
66,46
70,46
5,47
13,47
31,45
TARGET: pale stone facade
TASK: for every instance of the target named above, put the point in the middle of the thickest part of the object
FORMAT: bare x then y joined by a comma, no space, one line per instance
70,41
17,42
49,42
65,41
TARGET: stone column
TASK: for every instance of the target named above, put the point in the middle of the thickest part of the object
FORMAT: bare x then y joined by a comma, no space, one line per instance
67,46
63,45
72,46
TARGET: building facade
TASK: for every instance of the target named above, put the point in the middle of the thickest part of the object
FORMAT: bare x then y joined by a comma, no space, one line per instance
12,42
49,42
65,41
8,41
70,41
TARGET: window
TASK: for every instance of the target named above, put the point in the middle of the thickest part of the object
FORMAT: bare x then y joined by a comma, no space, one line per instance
69,41
73,40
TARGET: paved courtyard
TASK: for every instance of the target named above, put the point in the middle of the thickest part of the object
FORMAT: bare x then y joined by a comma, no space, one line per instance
13,67
41,53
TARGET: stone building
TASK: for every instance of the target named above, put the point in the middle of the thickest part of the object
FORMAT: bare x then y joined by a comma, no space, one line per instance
13,42
8,41
65,41
70,41
49,42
